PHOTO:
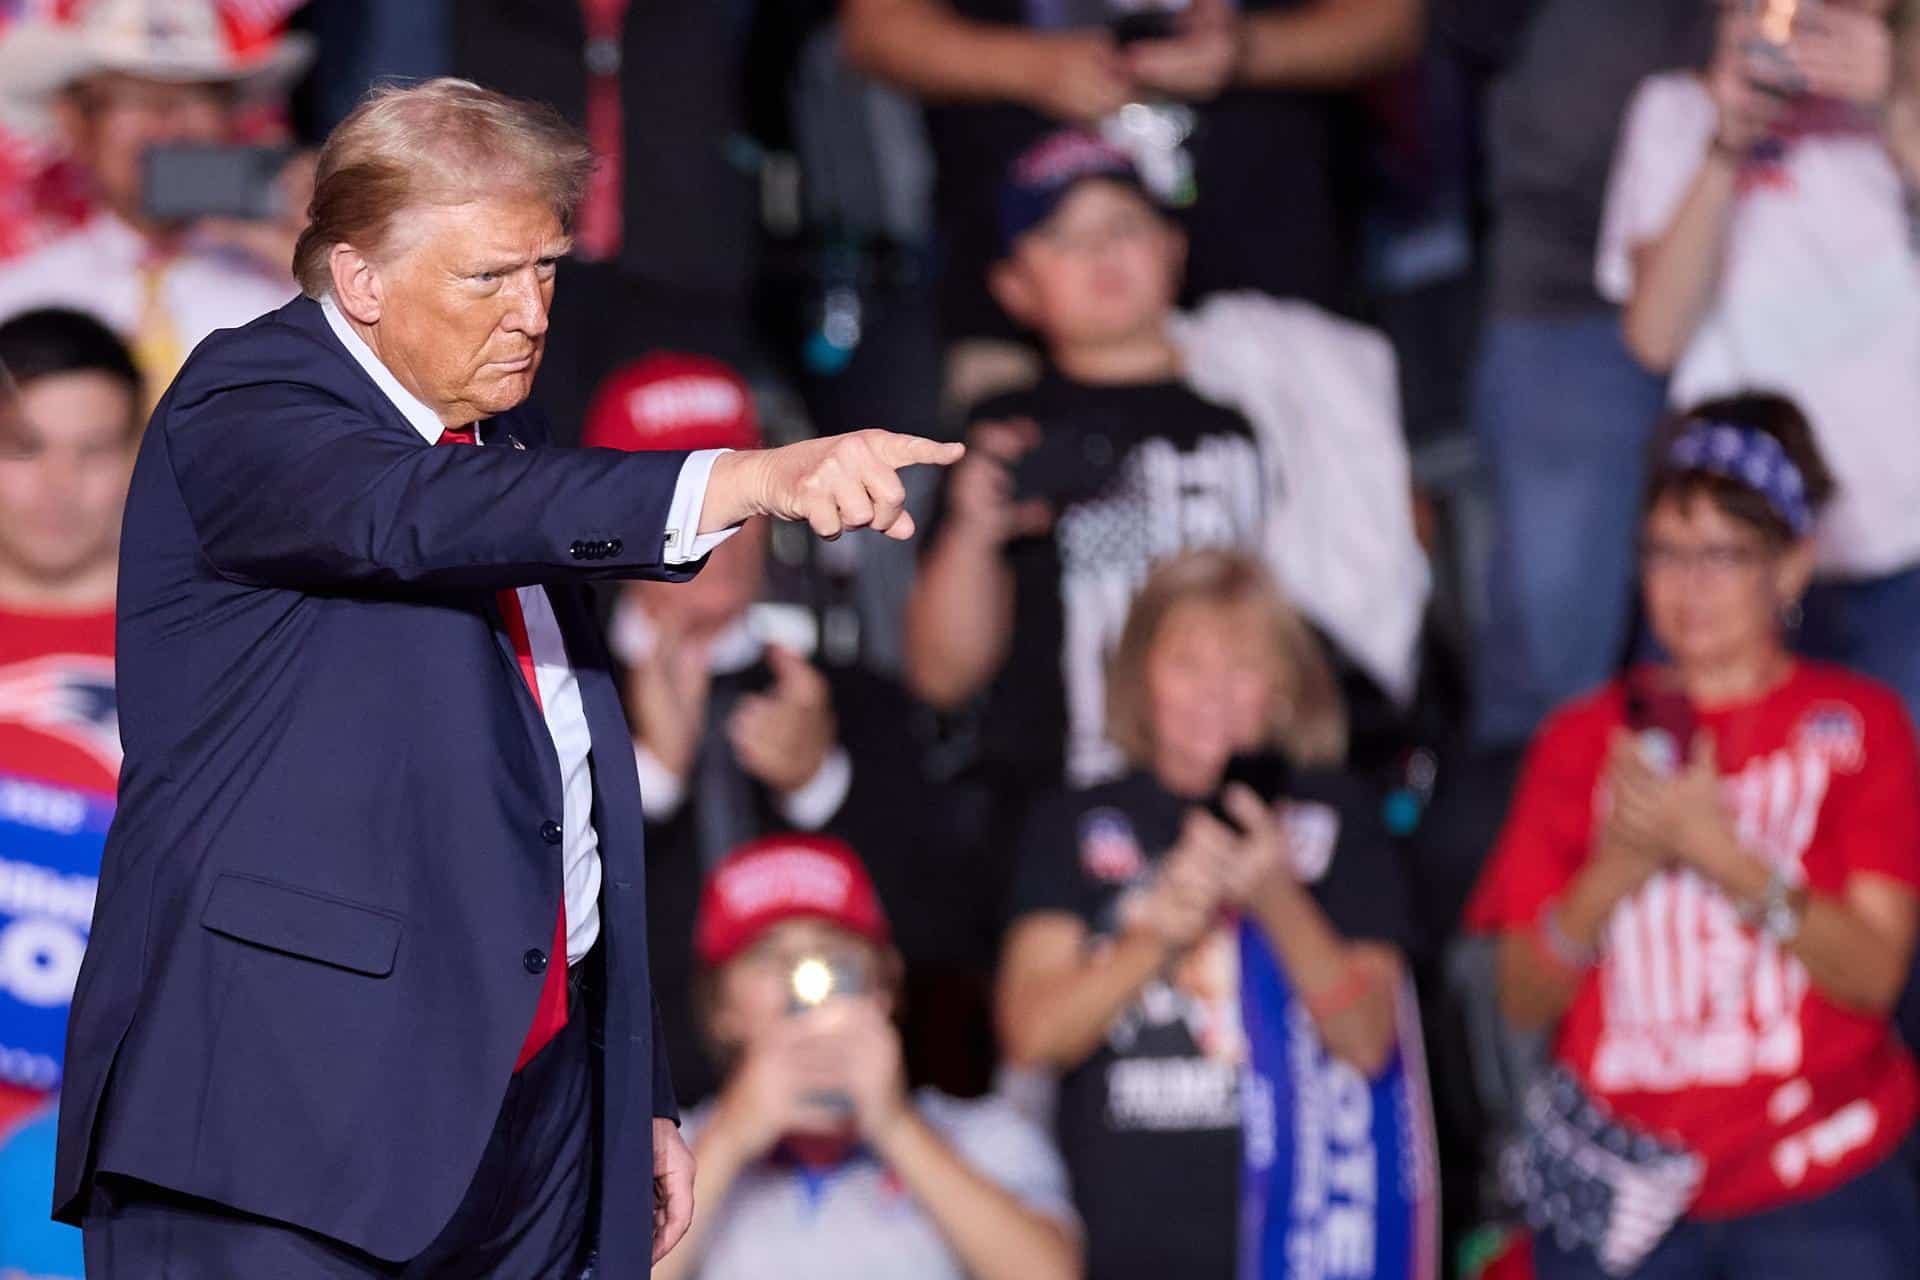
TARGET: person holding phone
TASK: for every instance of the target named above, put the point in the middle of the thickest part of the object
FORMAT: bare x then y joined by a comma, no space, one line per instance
815,1159
1228,105
116,87
1705,894
742,727
1760,232
1251,424
1122,968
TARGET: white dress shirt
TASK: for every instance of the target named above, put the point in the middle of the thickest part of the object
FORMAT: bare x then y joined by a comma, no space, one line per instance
96,269
560,701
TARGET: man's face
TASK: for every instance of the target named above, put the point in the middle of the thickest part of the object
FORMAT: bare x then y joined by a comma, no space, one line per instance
112,119
1106,266
64,461
464,301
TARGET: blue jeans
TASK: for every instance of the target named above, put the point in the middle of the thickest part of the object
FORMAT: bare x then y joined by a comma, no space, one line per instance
1866,1229
1871,625
1563,416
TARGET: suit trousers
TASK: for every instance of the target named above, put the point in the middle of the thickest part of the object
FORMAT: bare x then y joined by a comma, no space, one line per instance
524,1215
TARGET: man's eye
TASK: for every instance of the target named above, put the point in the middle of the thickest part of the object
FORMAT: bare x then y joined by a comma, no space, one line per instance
487,277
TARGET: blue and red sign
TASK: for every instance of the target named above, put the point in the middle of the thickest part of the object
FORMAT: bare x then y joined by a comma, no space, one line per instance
1340,1178
50,843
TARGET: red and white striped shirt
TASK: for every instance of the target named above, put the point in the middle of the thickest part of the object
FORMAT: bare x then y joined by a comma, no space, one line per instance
1693,1025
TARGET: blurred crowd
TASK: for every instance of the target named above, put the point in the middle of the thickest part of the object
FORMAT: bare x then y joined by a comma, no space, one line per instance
1393,753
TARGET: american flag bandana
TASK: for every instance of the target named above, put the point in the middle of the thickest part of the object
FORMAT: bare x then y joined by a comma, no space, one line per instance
1594,1183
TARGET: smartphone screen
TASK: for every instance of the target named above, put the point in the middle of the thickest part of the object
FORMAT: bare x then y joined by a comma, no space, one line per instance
182,183
1662,719
1264,774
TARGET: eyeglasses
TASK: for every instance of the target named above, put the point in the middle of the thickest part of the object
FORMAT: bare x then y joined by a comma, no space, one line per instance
1718,559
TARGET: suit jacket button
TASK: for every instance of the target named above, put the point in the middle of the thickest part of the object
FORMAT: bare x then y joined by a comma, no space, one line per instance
550,832
579,551
613,547
535,960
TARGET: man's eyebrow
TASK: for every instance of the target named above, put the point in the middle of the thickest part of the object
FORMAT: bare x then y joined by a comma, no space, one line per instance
503,266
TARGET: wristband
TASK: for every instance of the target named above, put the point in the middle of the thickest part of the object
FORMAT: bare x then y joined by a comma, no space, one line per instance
1551,941
1780,908
1340,997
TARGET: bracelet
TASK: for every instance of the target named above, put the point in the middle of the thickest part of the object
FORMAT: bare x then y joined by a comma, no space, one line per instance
1553,942
1780,908
1340,997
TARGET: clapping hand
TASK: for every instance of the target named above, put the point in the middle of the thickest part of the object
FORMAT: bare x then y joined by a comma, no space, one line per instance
1190,886
1264,851
1665,818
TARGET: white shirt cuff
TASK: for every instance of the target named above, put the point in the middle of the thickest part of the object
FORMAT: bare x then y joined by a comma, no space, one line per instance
812,804
685,542
661,793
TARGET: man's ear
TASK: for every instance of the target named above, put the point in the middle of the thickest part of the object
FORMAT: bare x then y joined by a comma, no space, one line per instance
1012,287
357,287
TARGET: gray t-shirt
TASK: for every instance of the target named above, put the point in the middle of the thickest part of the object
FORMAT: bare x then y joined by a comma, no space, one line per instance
1554,118
856,1221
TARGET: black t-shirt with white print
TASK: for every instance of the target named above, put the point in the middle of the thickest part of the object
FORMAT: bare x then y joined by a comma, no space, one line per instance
1149,1125
1188,475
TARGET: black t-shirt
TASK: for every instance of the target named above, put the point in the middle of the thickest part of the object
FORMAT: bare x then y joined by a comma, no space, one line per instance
1187,474
1263,216
1149,1125
1553,119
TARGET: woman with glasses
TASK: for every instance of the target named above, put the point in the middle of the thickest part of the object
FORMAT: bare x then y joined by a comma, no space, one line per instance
1760,230
1705,891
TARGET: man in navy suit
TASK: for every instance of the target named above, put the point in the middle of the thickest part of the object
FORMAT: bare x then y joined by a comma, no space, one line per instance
367,993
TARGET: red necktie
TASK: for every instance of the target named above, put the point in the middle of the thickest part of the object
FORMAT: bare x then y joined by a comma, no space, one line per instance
551,1013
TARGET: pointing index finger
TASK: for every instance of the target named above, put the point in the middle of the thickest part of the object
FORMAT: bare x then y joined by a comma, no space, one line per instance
897,450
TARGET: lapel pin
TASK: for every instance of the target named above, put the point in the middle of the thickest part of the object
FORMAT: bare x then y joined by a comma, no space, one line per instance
514,440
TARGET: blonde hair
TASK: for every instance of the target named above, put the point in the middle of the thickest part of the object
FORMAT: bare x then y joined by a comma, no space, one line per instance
1309,718
443,141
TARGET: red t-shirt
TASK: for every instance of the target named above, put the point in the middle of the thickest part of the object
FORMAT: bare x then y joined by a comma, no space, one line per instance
1692,1025
57,713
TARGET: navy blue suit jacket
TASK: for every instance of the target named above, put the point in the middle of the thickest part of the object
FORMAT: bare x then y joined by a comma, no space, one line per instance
308,976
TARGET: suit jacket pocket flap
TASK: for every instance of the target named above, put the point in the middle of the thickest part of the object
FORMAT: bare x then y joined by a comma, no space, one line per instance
303,923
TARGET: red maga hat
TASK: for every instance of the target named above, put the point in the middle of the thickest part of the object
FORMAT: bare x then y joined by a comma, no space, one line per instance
672,401
785,877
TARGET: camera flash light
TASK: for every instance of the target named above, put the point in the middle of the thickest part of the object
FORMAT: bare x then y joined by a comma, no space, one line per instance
812,981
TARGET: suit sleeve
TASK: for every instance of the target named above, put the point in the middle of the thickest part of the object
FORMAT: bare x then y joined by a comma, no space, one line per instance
290,486
666,1105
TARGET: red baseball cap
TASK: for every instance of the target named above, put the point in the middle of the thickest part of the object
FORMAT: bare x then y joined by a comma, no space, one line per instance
785,877
672,401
